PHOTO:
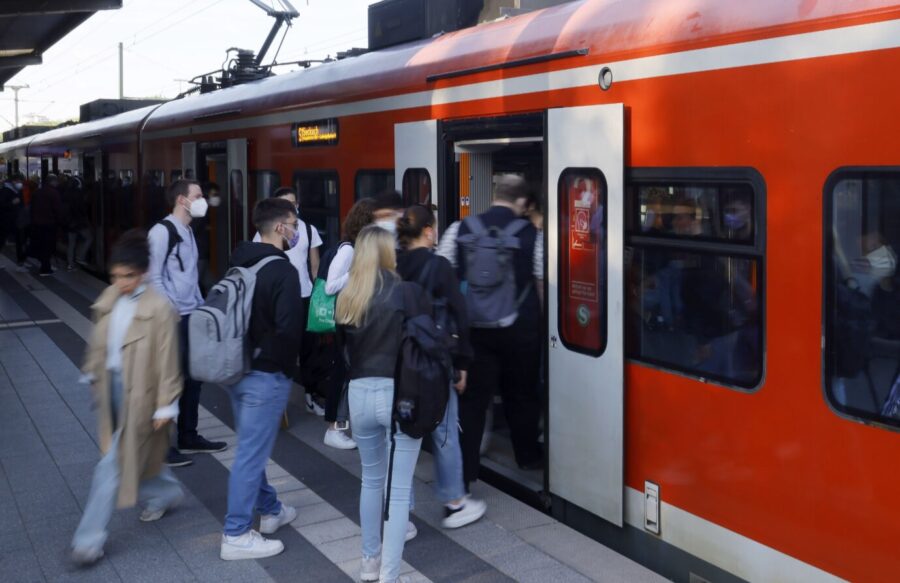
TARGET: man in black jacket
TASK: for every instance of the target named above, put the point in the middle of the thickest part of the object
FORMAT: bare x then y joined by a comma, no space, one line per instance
261,396
10,203
46,216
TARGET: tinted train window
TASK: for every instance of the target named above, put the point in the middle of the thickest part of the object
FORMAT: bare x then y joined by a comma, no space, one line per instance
372,182
582,260
416,187
320,202
263,183
694,267
862,294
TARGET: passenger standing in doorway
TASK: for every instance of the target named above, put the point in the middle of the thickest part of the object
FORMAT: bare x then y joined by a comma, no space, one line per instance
132,365
202,231
369,315
506,349
78,232
388,210
46,217
260,398
304,256
173,271
418,263
338,273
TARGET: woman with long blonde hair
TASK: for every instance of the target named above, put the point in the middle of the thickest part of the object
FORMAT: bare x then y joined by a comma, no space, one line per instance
369,315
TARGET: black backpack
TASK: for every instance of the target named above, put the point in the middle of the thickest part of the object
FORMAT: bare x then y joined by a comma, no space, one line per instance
174,240
440,306
421,378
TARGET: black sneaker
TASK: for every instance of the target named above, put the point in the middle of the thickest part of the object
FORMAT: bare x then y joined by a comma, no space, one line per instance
200,444
174,459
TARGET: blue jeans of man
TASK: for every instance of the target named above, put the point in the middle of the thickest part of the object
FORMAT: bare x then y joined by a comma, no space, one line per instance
160,492
258,401
371,400
448,465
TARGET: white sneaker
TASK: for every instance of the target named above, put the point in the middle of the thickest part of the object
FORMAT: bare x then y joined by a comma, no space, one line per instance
338,439
313,407
411,531
471,510
370,569
250,545
87,556
269,523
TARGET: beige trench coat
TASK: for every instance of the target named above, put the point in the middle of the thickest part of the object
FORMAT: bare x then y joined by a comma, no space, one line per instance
151,378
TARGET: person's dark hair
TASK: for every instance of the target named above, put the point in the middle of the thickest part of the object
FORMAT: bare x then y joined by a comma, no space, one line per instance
178,188
360,215
510,188
414,220
131,249
389,199
284,191
271,211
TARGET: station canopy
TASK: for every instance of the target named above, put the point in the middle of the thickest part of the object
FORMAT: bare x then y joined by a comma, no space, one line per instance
29,27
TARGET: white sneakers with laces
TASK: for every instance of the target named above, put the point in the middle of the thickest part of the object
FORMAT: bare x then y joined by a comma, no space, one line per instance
370,570
312,407
411,531
269,523
471,510
250,545
338,439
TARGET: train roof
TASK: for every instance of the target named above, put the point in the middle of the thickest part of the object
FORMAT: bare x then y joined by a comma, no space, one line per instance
124,126
13,145
609,29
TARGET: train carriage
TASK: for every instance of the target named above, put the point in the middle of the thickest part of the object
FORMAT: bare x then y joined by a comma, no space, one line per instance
722,195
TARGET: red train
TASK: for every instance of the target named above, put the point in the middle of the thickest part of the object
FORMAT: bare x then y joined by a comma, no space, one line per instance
721,182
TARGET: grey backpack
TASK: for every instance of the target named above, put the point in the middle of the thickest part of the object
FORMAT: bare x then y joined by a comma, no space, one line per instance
217,329
490,273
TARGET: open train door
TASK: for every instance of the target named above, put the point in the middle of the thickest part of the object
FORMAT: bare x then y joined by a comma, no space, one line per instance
237,192
189,160
585,306
416,161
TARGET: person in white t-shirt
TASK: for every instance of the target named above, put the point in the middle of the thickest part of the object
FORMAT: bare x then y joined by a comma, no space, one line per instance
304,256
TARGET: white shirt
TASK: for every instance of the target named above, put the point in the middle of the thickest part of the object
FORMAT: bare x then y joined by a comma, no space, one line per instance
119,321
339,270
299,256
181,287
447,244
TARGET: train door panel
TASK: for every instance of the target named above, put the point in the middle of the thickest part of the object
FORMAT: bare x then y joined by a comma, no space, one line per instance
189,160
585,307
415,161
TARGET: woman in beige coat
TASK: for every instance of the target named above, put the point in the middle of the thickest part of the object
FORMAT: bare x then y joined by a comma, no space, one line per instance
133,365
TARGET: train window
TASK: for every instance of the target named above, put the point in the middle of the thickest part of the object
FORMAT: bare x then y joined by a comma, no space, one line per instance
694,270
862,294
372,182
175,175
582,260
264,183
320,201
416,187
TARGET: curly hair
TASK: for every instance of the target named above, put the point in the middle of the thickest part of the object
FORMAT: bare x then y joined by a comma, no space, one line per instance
360,215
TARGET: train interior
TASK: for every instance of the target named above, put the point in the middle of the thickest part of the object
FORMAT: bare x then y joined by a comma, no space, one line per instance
478,153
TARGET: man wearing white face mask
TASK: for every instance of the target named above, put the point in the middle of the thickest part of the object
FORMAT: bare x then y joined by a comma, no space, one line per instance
173,270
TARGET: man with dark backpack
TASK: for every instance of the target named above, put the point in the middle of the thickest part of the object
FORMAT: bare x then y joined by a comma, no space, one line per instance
173,271
495,259
259,398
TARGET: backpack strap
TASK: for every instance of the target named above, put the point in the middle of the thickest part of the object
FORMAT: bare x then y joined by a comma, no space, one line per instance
514,227
476,227
390,475
424,278
173,244
255,269
308,249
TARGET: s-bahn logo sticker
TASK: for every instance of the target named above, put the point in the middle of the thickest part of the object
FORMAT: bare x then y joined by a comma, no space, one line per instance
322,132
583,315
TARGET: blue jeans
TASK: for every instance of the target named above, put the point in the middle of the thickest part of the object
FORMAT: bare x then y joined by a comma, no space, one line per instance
371,400
448,466
157,493
258,402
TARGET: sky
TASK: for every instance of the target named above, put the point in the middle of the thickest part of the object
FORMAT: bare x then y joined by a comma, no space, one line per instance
168,40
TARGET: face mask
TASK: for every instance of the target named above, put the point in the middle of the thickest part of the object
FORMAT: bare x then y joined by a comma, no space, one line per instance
389,225
198,208
215,201
297,208
883,262
292,242
735,221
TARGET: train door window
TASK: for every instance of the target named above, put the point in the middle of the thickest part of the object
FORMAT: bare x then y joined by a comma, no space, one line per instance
263,184
694,271
372,182
582,260
862,294
320,201
416,187
175,175
238,212
155,195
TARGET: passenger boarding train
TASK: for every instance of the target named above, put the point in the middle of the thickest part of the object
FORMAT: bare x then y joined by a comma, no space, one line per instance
721,181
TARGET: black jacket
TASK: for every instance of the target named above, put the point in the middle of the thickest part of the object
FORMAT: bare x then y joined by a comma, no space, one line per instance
371,349
442,284
46,207
276,322
9,209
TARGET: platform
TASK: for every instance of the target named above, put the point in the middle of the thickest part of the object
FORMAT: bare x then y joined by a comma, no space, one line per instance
48,448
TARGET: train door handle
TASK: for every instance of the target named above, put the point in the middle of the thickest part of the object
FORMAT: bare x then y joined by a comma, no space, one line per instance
553,341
